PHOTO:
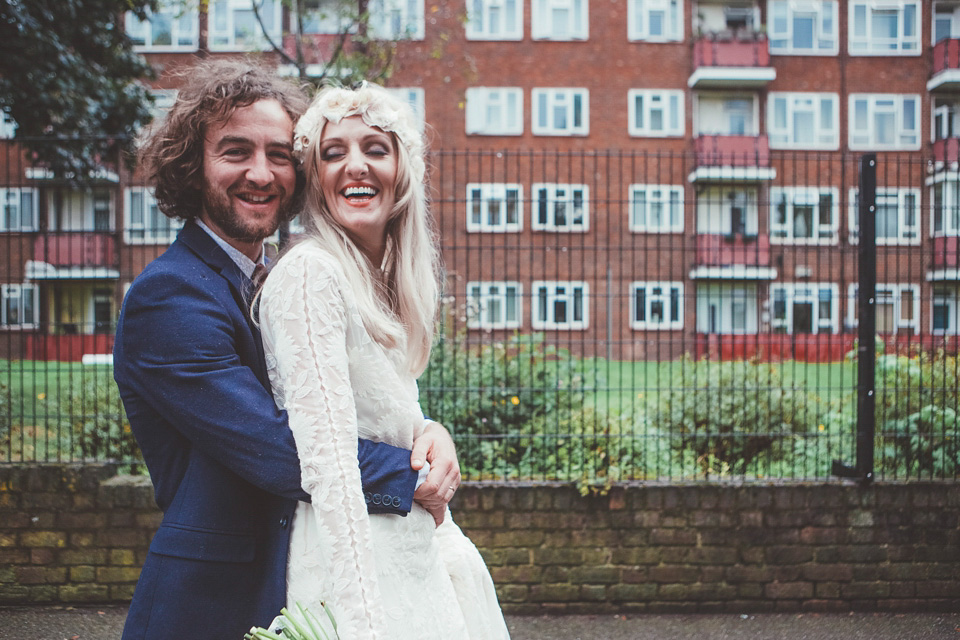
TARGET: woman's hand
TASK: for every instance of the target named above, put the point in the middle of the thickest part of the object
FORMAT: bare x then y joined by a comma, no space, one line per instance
436,447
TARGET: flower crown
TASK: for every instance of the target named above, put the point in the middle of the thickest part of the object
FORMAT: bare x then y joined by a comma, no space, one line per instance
378,108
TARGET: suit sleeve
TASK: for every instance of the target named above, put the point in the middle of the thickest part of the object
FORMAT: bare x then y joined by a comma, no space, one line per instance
305,319
180,355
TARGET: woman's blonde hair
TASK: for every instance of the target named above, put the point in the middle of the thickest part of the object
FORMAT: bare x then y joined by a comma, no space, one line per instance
398,304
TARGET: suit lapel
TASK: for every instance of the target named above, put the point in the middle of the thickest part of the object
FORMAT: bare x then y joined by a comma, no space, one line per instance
201,244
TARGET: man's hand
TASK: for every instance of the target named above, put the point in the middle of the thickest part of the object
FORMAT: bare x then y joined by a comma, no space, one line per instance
436,447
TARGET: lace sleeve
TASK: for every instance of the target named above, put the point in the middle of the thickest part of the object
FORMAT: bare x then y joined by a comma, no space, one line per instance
305,320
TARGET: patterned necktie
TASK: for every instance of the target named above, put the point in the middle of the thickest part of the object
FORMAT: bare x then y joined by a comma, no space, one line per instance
259,274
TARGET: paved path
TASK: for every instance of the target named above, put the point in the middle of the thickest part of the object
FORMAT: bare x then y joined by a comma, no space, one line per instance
105,623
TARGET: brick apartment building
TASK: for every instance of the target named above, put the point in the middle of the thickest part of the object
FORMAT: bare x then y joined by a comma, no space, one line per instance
635,178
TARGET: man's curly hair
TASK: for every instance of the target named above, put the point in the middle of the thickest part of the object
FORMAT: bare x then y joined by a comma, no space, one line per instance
171,156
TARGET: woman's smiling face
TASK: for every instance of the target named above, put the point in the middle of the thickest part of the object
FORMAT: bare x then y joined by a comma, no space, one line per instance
358,175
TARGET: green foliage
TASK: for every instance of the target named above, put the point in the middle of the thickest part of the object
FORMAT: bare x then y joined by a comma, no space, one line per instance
94,416
730,415
68,70
918,413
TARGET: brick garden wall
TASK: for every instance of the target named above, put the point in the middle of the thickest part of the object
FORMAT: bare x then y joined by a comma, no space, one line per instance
78,534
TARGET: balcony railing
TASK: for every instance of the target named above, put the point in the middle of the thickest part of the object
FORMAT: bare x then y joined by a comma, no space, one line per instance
727,62
75,249
946,151
946,66
732,151
945,252
719,250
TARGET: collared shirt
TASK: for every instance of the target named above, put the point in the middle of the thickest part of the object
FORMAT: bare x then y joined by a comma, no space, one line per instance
239,258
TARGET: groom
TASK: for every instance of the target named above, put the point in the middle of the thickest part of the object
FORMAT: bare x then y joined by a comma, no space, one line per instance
191,372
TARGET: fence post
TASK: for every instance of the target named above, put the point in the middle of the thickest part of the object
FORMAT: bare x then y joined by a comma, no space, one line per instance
866,333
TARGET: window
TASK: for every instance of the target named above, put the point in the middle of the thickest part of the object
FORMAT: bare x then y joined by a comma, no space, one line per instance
144,223
944,316
494,207
946,208
656,113
726,309
804,121
898,216
725,114
396,19
561,112
885,27
494,19
494,305
560,305
8,126
656,305
172,28
897,307
323,17
728,210
946,21
803,215
560,207
19,209
884,122
805,308
415,98
655,20
495,111
559,20
20,306
656,208
233,25
945,123
806,27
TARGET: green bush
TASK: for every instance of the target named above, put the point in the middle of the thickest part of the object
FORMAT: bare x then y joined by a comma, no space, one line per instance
732,415
94,416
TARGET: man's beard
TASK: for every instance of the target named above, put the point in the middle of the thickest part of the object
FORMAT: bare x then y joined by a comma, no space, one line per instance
217,205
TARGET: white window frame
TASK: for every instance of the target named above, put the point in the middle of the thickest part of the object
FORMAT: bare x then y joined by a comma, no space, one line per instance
664,298
664,199
907,234
888,293
18,291
491,192
825,12
864,137
8,126
871,45
794,293
494,111
557,195
950,204
783,135
152,234
396,19
944,118
792,197
415,97
184,23
670,103
494,297
491,20
10,196
952,18
547,102
560,293
543,27
638,20
944,295
257,40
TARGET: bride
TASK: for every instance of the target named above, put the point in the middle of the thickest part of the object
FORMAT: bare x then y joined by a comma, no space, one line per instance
347,320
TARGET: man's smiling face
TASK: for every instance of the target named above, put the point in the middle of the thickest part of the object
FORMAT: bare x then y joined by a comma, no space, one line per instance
248,174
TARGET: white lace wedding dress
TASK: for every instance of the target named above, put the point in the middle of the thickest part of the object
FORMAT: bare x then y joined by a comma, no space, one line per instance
382,576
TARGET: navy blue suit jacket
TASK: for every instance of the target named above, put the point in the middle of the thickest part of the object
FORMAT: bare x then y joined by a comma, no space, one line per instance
191,371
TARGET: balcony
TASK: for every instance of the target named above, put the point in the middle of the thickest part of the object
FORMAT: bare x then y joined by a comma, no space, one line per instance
732,158
946,254
716,250
946,67
946,152
724,62
73,256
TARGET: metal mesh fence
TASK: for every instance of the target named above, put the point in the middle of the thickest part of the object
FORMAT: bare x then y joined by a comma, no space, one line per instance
608,316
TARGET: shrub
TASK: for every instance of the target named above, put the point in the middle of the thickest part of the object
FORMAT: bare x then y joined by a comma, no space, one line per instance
95,417
729,415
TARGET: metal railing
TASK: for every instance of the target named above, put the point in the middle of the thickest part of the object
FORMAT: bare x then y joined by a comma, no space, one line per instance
609,316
